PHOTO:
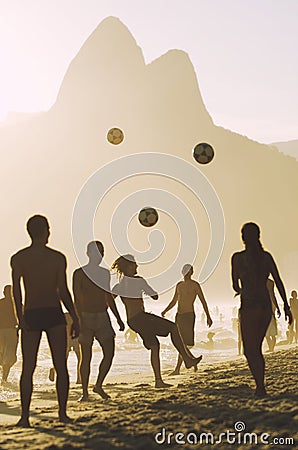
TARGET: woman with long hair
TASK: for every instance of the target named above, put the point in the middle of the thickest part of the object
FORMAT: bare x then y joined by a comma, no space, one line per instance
131,289
250,271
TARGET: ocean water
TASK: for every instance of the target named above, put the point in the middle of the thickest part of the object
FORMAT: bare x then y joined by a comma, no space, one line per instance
131,359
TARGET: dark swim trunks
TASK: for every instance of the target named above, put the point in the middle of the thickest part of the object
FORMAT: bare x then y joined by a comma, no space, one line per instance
148,326
186,325
41,319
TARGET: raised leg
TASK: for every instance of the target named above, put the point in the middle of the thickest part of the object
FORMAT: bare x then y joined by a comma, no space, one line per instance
187,356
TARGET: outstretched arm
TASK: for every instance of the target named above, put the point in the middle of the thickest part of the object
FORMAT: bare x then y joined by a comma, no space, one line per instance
172,303
281,289
66,297
204,304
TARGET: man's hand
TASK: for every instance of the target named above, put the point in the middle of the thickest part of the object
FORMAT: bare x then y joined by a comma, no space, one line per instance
209,321
288,314
121,325
75,328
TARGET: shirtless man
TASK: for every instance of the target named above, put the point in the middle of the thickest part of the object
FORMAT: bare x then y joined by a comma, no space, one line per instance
293,327
185,294
43,271
91,288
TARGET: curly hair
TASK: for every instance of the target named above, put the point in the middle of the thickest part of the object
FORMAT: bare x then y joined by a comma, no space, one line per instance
121,263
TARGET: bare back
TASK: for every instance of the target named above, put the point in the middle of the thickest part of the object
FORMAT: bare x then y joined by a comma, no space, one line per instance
41,269
91,297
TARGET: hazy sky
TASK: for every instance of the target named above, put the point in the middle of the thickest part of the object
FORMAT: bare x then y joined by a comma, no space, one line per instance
244,53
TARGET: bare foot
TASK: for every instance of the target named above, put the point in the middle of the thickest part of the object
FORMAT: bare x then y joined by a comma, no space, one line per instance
261,393
193,362
175,372
99,390
84,398
64,418
23,423
159,384
52,374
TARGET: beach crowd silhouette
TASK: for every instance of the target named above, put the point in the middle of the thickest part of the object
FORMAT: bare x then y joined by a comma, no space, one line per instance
39,307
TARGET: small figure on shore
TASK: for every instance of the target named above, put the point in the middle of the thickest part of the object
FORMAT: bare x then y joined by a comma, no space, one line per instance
131,289
185,295
210,343
8,333
271,332
131,337
293,327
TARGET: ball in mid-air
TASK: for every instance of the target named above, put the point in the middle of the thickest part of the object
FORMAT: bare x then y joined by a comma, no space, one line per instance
115,136
148,217
203,153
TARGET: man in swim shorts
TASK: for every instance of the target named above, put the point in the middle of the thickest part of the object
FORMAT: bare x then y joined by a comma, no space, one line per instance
91,288
43,271
186,292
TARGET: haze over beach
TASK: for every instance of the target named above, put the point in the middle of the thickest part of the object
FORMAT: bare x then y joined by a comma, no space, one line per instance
69,142
244,54
223,73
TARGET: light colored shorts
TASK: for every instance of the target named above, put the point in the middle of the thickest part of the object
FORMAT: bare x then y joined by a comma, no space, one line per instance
8,346
95,325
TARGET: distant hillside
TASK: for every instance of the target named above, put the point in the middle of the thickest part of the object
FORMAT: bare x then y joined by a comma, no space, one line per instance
46,159
288,148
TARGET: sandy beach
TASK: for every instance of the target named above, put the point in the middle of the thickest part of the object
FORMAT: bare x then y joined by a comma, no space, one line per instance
217,400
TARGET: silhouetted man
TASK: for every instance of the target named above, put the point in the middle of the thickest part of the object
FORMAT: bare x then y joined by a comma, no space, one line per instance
185,295
43,271
91,288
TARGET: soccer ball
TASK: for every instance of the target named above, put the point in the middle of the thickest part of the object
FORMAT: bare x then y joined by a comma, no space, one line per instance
148,217
203,153
115,136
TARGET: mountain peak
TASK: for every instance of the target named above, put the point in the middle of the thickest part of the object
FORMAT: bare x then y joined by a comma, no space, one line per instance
110,54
